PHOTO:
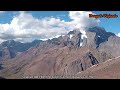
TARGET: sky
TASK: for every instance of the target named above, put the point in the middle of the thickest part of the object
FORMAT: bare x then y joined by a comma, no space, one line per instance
26,26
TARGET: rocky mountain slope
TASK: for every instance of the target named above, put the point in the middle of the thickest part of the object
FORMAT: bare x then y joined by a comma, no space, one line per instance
109,69
71,54
9,49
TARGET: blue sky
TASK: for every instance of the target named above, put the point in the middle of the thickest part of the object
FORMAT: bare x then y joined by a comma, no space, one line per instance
8,16
15,21
111,25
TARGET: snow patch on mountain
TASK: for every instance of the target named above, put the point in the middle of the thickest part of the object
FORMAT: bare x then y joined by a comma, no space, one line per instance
71,35
98,36
83,34
81,43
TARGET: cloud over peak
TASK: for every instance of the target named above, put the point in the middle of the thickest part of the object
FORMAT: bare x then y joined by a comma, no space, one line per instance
118,34
81,19
24,27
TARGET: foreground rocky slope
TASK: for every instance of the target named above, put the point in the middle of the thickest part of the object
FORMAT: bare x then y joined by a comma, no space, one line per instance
109,69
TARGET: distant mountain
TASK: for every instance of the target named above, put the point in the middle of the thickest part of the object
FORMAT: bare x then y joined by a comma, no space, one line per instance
9,49
70,54
92,37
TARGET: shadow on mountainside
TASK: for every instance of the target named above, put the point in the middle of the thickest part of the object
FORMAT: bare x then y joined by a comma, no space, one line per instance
2,78
1,68
102,35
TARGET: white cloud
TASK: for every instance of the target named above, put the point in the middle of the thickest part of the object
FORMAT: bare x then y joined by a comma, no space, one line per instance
118,34
2,11
81,19
24,27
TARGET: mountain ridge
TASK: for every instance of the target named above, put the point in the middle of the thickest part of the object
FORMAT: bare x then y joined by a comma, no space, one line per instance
13,48
64,55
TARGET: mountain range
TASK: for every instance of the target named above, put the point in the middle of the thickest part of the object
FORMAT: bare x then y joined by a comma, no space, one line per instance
9,49
81,52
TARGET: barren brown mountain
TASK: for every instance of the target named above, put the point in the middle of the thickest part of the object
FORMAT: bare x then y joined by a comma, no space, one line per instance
80,53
